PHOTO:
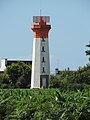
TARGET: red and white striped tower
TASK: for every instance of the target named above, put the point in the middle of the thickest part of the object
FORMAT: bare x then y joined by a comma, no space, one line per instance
40,59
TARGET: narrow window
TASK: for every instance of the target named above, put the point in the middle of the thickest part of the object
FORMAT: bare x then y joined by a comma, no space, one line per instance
43,39
43,50
43,70
43,60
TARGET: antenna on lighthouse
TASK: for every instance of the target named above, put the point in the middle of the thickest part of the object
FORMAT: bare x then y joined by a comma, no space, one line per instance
40,7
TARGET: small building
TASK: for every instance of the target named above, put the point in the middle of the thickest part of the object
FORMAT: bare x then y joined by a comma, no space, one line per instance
4,62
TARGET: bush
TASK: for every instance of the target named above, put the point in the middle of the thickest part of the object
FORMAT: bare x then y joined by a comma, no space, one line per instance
17,75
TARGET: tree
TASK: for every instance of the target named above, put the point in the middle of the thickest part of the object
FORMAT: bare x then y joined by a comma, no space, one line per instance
88,51
82,75
54,82
19,74
4,80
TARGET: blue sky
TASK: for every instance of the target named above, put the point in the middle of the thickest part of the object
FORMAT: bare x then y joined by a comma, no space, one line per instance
70,21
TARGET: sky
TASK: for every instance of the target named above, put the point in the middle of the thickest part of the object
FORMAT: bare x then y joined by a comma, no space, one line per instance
70,22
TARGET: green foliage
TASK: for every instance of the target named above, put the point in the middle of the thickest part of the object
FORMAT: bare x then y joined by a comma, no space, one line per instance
83,74
88,51
54,82
44,104
70,79
4,81
17,75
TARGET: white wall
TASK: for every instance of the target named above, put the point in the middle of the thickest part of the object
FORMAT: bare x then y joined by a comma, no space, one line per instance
3,64
35,80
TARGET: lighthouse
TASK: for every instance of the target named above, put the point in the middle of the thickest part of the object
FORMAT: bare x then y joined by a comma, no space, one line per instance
40,58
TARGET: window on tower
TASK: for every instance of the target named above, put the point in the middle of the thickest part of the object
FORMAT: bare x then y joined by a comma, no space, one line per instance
43,70
43,50
43,39
43,60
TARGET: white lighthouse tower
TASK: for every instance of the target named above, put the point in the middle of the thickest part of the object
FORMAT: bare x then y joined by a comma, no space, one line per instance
40,59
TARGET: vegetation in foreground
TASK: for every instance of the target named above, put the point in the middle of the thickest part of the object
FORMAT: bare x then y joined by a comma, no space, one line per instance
44,104
70,100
